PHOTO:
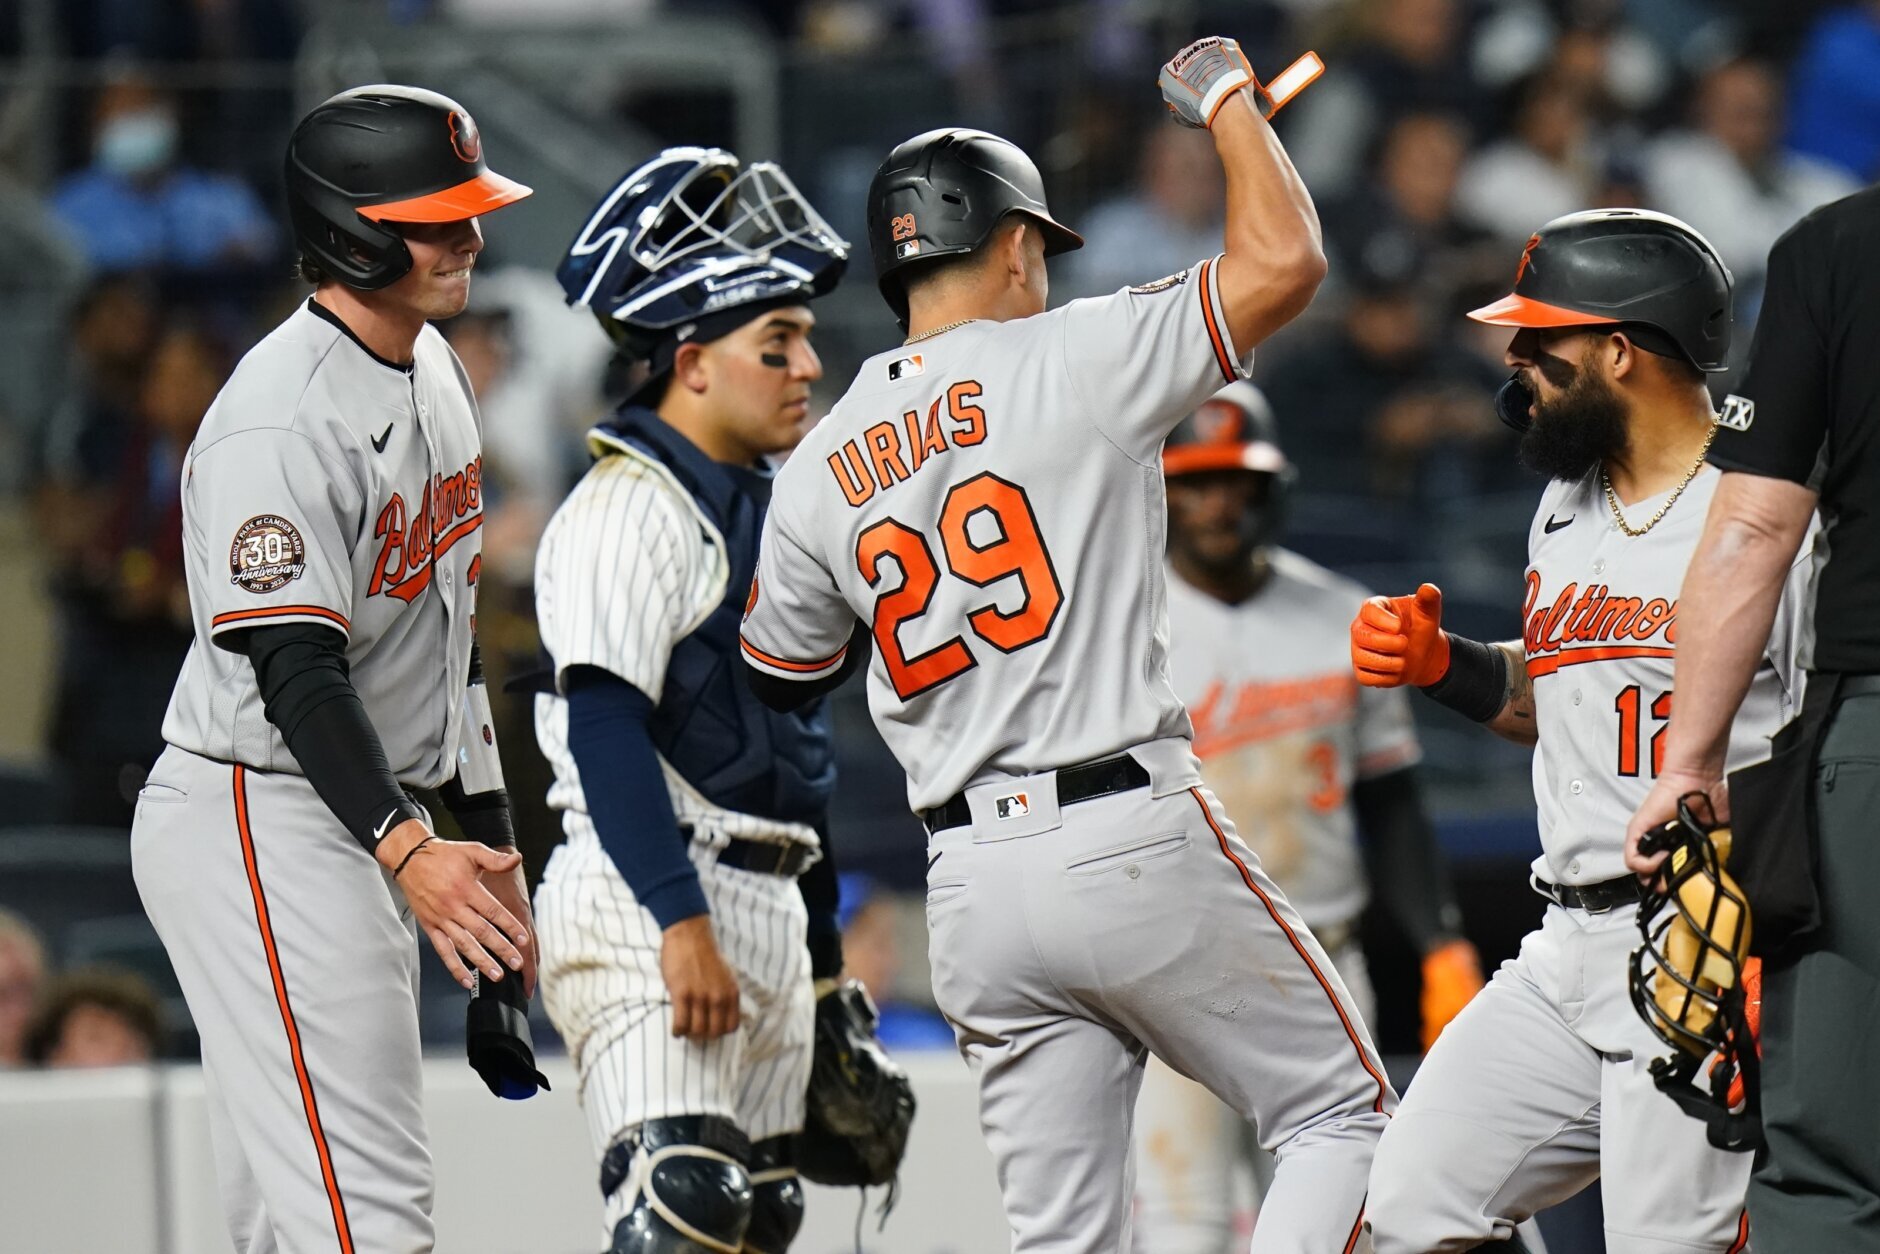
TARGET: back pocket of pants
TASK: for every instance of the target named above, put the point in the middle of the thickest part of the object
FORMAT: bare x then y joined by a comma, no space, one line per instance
1135,851
948,890
161,794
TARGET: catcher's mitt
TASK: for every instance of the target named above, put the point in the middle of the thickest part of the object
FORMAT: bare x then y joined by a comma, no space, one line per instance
860,1104
1688,979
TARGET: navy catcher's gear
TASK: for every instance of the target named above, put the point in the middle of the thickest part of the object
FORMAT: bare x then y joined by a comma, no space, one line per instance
688,1188
777,1198
692,233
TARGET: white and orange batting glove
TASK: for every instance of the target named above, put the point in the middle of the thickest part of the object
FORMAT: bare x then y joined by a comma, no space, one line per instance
1197,81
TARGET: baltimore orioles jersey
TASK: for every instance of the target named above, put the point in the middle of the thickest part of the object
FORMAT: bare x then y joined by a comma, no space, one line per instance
1600,620
1283,729
990,501
327,485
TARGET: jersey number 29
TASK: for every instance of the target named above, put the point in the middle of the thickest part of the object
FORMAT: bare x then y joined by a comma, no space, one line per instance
1015,550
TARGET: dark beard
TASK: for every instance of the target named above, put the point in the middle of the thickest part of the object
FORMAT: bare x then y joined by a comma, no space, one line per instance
1581,427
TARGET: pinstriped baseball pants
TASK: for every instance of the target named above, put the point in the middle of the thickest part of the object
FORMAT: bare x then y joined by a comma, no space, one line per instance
603,990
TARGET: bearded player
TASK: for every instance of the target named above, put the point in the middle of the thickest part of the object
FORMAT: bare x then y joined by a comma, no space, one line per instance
1303,760
1541,1086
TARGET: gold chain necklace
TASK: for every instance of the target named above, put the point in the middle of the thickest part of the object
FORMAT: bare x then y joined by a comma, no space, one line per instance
928,335
1612,498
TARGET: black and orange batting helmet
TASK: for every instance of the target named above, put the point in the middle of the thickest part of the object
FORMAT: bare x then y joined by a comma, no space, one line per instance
1645,274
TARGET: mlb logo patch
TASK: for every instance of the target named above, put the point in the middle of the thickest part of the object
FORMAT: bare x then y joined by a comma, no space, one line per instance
905,368
1016,806
907,248
1738,412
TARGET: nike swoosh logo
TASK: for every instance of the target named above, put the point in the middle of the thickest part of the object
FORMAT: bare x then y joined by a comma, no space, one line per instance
1550,526
933,860
380,441
379,833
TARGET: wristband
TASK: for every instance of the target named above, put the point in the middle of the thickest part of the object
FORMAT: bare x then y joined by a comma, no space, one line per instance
1476,683
410,854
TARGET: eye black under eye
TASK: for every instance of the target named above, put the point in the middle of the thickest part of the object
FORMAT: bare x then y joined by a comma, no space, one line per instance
776,361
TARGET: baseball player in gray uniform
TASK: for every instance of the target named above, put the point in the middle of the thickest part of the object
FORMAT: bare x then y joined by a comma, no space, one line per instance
677,949
1541,1086
988,502
1302,758
331,506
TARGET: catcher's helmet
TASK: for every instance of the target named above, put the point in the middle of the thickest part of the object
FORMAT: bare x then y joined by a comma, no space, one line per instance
691,234
1235,430
941,194
384,154
1688,980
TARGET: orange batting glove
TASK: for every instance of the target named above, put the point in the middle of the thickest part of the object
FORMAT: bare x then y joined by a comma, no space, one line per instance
1452,974
1399,640
1752,1011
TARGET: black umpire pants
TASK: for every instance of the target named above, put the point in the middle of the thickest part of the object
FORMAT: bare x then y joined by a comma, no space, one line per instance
1820,1188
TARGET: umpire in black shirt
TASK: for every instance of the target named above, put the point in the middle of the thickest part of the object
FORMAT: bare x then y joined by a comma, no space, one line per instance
1803,433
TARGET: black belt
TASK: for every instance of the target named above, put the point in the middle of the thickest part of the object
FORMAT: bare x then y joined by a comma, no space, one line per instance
1859,685
766,857
1107,777
1594,898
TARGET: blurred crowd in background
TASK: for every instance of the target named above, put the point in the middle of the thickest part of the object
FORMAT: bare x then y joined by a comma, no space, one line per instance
139,163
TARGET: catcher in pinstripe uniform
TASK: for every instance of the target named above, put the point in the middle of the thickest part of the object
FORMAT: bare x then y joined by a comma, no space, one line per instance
678,947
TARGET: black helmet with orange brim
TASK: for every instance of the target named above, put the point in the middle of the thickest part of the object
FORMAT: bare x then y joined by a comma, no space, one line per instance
1235,430
1645,274
380,155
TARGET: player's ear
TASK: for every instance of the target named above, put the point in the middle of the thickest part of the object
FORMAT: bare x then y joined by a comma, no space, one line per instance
690,369
1618,355
1017,264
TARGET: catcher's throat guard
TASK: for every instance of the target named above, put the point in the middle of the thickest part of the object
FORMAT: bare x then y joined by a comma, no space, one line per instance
1687,979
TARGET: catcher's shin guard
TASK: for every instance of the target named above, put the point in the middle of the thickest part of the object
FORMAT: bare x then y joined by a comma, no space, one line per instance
1687,979
776,1197
688,1189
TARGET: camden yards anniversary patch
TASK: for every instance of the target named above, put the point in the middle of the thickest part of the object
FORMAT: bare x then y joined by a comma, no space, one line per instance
268,553
1161,285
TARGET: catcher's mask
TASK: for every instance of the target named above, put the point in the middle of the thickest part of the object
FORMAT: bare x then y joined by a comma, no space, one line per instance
691,235
1686,980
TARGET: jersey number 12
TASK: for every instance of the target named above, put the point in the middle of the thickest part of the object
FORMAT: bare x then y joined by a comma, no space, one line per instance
1627,704
1015,550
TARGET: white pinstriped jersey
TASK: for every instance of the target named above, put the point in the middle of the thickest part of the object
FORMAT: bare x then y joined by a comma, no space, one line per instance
1601,630
327,486
628,567
1283,729
991,501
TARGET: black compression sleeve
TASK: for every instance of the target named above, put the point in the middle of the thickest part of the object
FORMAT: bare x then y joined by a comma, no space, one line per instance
1405,864
784,695
822,899
307,693
1476,683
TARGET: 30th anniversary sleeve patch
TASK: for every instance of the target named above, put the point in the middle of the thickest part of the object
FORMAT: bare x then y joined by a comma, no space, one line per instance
267,554
1161,285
